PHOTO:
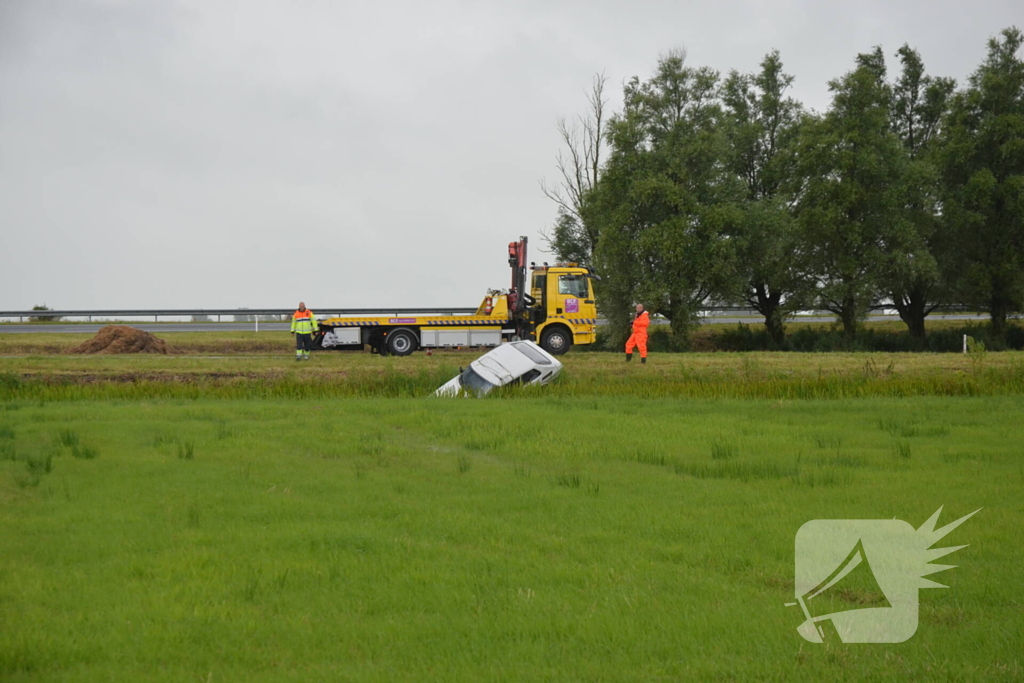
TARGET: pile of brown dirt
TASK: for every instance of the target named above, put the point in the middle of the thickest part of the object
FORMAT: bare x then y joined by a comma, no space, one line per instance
121,339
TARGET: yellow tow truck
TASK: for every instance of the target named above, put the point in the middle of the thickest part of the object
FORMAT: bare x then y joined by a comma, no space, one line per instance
551,305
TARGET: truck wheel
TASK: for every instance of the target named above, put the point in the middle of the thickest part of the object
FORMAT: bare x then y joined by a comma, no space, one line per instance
556,341
402,342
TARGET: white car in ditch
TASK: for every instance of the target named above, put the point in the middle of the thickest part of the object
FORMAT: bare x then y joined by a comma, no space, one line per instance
518,362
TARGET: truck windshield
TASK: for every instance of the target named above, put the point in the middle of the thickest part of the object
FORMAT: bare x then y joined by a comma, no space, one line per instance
472,381
573,285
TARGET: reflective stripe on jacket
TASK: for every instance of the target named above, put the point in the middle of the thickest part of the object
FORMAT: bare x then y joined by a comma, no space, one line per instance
641,323
304,322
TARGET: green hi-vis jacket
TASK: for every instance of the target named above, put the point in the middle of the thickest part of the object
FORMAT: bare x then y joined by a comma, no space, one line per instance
304,322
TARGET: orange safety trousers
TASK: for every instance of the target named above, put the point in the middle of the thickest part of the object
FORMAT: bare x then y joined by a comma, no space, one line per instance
637,339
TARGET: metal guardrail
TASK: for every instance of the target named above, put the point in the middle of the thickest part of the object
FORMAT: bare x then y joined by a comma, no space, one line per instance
327,311
218,312
321,312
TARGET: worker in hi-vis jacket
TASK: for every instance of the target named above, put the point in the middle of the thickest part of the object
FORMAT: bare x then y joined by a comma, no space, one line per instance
303,326
639,336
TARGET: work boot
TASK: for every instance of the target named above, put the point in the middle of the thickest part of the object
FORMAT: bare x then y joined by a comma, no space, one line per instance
643,360
629,357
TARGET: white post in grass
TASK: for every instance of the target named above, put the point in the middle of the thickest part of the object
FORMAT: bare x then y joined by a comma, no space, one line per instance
965,343
257,323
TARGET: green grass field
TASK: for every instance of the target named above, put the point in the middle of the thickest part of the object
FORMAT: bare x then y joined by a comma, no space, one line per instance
219,520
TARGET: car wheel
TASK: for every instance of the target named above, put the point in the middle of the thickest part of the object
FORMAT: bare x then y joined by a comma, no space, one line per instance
401,342
556,341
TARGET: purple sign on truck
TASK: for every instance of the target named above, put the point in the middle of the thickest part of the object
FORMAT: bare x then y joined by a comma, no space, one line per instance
572,305
402,321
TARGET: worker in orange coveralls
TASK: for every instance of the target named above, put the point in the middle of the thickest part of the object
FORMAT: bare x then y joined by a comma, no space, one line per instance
639,336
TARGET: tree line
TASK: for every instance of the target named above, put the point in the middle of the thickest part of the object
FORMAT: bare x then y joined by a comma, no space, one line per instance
908,192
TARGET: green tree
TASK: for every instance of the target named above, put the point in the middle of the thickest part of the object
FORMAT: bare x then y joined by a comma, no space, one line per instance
666,200
851,207
982,167
762,130
911,277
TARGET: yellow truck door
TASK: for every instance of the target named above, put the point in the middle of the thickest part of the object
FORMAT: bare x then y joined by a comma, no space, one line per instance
571,296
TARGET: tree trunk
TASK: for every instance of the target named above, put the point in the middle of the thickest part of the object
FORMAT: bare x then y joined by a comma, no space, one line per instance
680,316
912,309
768,306
916,326
776,329
848,316
998,310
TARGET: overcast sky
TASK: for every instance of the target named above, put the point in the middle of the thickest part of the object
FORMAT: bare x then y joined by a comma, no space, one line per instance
250,153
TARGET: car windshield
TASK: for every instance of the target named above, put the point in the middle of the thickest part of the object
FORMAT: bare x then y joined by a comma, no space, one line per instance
532,354
472,381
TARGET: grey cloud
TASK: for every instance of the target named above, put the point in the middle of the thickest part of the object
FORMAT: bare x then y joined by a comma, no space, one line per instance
255,153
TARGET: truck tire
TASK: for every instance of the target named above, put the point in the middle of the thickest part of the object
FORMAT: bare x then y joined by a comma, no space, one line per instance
402,342
556,340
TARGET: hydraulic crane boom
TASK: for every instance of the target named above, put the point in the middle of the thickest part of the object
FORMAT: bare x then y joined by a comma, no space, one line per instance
517,261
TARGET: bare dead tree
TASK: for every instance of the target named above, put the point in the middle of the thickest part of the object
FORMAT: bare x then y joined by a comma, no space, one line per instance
579,165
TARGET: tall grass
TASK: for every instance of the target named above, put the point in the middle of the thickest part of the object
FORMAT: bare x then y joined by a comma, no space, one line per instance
84,452
741,471
186,450
676,382
67,438
722,450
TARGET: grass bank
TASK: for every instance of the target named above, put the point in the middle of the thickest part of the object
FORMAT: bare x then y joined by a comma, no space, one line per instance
331,374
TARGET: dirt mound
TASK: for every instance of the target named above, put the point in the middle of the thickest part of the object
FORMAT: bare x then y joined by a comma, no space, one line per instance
121,339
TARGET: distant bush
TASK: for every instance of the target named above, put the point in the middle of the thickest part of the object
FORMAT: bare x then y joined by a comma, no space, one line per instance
744,337
661,340
42,319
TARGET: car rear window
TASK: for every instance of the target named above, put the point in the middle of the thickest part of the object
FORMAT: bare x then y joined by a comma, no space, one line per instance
532,354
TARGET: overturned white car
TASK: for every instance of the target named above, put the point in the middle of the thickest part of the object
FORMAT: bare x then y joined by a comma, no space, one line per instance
518,362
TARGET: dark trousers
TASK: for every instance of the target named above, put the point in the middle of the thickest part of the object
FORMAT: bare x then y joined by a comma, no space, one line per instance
304,342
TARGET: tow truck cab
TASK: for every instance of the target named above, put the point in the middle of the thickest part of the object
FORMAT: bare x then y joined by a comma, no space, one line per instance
564,311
